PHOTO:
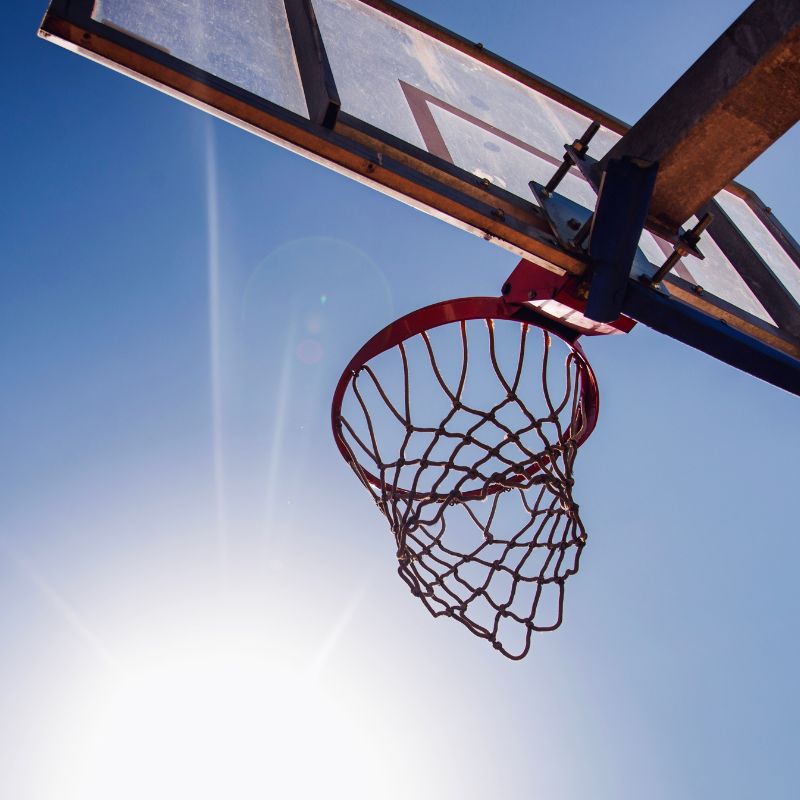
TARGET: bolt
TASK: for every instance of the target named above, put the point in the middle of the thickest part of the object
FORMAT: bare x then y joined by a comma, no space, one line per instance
498,213
698,289
573,224
532,294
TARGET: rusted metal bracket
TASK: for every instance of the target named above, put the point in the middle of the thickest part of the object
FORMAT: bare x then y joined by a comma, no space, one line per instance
687,245
574,155
571,223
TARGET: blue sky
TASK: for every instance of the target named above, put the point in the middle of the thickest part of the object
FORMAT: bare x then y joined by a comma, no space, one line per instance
182,550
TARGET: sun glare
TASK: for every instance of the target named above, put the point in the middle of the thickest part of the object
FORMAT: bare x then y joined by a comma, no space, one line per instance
219,720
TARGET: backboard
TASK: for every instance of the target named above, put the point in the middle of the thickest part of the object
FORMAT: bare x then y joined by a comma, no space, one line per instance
376,92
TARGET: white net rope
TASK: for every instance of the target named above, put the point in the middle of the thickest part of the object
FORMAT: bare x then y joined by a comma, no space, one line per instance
475,483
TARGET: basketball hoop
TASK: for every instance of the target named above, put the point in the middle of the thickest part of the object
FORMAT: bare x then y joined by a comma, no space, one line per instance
475,476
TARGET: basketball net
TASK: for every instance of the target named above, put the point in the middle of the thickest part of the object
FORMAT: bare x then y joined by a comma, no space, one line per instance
479,501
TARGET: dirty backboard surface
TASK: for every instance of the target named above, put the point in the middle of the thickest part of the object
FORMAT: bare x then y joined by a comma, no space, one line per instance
430,118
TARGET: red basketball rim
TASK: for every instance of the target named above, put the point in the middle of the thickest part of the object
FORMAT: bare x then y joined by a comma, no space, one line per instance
444,313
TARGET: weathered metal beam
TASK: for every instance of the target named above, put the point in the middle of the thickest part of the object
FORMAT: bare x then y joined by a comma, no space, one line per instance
739,97
322,97
711,336
755,272
616,229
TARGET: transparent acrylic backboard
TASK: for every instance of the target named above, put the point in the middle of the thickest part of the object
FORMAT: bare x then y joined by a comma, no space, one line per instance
246,43
426,116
